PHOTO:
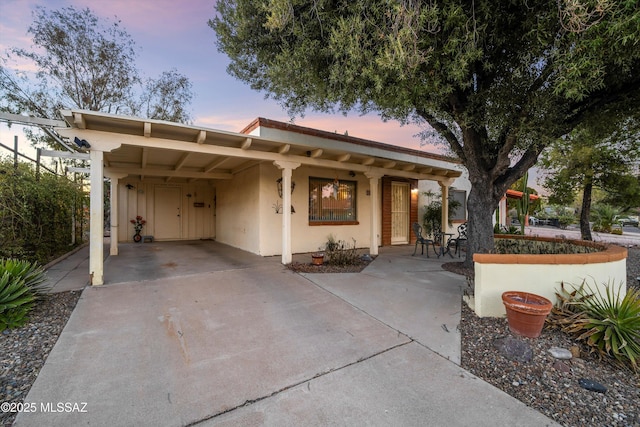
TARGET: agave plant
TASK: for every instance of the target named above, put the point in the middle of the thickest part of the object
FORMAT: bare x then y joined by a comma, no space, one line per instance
609,323
16,300
31,273
21,283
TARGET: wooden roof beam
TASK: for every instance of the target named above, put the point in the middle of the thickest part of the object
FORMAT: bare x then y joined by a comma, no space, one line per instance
202,136
182,161
368,161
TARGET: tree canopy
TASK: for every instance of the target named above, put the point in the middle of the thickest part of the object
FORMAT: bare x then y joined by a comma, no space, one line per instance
86,63
497,80
594,155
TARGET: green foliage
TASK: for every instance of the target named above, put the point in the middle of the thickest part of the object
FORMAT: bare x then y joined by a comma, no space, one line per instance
597,156
36,215
339,252
16,300
522,204
603,217
512,229
432,216
525,246
496,99
31,274
609,323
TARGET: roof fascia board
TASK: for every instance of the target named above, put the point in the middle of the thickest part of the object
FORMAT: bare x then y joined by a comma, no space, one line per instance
102,138
312,141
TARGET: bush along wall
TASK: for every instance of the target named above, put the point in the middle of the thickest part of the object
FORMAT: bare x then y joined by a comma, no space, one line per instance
37,215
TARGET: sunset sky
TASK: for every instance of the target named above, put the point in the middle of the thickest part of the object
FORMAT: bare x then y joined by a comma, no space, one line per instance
174,34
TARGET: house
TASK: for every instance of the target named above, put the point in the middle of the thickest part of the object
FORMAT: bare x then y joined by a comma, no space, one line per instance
273,189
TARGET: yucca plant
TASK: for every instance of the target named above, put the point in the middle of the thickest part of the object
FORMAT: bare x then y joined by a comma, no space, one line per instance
609,323
31,273
16,300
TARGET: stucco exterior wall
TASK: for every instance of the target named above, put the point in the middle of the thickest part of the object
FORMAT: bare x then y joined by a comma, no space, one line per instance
305,237
196,206
238,212
542,275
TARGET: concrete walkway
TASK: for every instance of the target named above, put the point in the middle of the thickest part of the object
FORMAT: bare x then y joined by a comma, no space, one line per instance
198,333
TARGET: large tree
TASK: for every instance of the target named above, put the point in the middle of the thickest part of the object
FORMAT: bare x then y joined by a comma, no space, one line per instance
84,62
594,155
498,80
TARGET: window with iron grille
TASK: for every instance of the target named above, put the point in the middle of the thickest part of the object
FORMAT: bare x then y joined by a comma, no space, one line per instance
332,201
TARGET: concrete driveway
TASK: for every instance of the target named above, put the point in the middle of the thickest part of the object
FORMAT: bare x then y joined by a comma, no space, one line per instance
204,334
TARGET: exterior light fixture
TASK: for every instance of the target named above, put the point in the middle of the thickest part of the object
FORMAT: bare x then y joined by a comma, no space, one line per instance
279,184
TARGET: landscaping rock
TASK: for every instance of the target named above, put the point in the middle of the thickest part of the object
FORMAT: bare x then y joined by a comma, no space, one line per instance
560,353
592,385
514,349
561,366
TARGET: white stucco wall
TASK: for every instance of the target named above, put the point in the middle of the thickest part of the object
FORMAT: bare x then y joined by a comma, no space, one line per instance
305,237
238,210
491,280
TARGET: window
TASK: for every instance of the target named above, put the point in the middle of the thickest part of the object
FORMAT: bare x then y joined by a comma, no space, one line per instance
460,213
332,201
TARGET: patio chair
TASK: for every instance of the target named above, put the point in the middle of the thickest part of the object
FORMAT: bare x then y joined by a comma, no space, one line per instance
462,238
420,239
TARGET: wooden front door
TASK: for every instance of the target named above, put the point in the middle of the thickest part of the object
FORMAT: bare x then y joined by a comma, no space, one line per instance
168,220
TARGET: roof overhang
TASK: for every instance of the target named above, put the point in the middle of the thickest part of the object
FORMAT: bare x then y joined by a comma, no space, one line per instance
514,194
147,148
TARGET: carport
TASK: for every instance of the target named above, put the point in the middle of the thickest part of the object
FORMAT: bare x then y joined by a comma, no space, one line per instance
122,147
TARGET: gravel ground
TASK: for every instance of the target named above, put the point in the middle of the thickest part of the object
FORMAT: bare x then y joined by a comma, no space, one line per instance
549,385
24,350
543,383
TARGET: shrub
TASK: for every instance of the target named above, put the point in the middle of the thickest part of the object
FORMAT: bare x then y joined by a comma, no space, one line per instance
616,231
501,229
608,324
537,247
338,252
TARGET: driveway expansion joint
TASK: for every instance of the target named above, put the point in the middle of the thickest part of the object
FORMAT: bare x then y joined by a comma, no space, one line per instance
291,386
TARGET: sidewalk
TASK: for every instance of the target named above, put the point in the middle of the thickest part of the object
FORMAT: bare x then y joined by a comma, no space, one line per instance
627,239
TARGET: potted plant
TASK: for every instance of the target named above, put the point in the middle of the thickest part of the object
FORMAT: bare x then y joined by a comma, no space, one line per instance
526,312
138,223
317,258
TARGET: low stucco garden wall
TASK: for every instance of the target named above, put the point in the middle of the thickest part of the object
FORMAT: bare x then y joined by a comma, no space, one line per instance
542,274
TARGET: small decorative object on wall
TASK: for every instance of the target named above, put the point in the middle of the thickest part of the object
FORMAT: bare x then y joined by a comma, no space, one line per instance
278,208
279,183
138,223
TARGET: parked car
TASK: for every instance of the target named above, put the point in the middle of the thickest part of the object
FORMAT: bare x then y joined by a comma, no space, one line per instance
626,220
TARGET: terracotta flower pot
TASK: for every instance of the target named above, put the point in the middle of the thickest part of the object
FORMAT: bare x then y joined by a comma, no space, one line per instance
317,259
526,312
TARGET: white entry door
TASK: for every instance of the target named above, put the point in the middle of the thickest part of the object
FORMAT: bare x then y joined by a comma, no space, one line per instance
168,219
399,213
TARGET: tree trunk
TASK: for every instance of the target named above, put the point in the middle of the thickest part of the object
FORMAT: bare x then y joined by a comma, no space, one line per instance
481,207
585,213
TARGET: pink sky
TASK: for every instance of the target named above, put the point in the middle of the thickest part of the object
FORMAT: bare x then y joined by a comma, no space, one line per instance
174,34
